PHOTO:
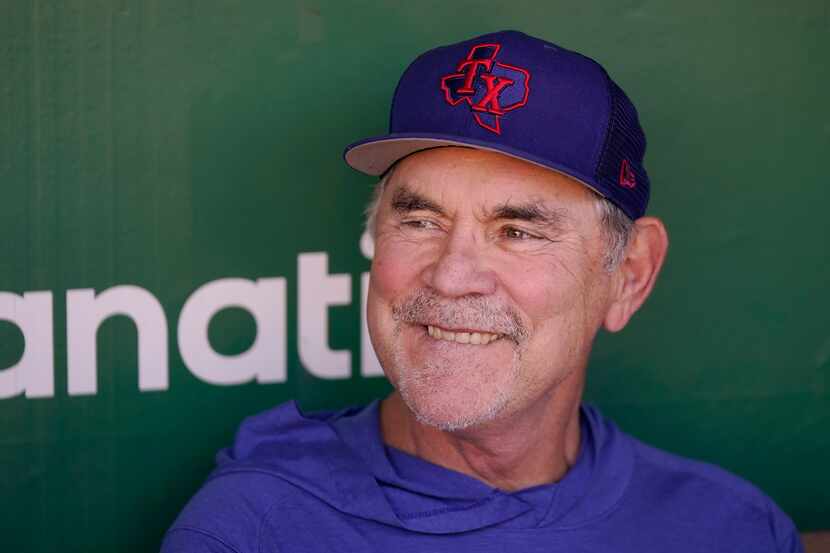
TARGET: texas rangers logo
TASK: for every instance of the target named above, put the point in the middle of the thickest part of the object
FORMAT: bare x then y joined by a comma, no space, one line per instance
491,88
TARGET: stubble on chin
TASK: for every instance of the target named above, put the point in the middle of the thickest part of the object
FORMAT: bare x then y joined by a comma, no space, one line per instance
441,392
435,401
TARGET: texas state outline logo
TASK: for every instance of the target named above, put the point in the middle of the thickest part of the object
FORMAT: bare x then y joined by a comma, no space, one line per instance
489,87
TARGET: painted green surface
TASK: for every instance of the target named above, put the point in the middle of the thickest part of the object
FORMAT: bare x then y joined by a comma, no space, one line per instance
169,144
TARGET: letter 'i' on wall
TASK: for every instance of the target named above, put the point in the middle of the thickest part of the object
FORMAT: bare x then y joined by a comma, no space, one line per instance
33,375
265,360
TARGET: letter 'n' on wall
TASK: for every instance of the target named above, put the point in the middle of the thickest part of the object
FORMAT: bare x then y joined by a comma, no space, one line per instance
84,314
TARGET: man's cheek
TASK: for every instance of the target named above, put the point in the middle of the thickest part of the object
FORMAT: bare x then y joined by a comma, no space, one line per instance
392,274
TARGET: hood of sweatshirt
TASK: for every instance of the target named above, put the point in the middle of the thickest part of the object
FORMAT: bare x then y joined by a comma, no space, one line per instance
341,459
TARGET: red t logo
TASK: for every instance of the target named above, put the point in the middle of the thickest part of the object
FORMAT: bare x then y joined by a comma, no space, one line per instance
470,68
489,87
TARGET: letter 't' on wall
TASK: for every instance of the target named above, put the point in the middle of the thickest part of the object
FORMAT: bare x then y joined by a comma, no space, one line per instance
317,291
34,373
265,360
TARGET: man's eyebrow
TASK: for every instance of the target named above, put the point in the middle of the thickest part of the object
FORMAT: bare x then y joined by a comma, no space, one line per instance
405,200
532,212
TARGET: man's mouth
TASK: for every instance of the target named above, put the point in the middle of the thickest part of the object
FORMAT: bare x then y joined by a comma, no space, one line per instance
461,337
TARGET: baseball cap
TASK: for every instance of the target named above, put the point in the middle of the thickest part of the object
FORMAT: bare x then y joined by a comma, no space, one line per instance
524,97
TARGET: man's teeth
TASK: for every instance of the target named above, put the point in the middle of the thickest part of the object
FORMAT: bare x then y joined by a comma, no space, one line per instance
477,338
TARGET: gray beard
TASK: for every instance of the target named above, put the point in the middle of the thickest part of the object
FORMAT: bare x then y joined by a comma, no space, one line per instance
425,307
413,383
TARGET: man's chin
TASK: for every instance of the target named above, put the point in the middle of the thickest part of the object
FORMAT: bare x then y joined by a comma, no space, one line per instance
452,412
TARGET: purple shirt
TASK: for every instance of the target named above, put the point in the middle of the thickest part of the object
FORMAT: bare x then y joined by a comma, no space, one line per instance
326,482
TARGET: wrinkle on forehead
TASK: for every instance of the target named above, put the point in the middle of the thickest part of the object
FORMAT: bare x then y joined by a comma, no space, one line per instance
405,200
533,210
424,181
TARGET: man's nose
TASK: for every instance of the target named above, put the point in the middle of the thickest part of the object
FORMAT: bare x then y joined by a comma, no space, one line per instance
460,268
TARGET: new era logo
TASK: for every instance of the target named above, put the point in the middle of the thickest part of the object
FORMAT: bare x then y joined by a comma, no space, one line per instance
490,88
627,177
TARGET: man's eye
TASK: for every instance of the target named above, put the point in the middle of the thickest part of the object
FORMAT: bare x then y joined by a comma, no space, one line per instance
419,224
517,234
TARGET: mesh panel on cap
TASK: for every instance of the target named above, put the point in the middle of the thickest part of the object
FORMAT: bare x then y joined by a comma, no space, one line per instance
625,140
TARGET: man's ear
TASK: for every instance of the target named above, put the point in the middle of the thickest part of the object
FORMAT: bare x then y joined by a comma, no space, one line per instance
636,274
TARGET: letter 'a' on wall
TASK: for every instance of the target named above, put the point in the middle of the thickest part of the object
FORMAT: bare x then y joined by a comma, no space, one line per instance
265,360
84,314
34,373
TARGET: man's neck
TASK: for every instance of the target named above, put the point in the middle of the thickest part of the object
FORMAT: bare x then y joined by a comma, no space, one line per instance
519,451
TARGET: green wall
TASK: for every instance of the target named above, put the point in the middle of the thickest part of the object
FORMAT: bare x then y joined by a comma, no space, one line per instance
167,145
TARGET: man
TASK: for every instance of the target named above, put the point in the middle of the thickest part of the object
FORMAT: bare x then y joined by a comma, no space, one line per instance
509,228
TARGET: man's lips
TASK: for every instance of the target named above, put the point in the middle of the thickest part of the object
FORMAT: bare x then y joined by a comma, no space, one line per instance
462,336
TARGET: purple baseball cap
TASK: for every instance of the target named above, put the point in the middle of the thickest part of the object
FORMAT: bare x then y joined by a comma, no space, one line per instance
523,97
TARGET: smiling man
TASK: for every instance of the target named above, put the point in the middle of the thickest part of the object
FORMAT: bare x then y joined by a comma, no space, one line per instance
489,282
509,226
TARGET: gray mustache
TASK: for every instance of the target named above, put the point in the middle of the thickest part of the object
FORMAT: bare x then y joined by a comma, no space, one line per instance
426,308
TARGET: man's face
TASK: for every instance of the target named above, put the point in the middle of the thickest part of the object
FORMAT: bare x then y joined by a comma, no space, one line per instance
487,285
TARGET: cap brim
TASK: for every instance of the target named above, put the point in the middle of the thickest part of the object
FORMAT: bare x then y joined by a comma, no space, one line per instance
374,156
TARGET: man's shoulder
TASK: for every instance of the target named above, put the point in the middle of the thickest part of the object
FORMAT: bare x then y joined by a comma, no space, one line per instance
279,458
658,471
718,504
662,467
228,511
